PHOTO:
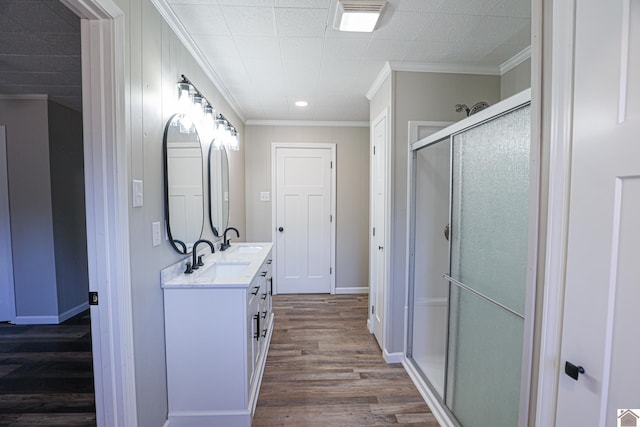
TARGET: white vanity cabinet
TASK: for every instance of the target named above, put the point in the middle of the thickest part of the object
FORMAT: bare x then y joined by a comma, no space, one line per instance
217,335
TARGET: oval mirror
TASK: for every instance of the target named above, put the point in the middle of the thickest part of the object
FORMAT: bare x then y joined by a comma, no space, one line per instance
218,189
183,183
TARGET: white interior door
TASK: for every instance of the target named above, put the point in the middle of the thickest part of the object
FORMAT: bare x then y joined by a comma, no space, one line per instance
378,239
304,218
7,295
602,297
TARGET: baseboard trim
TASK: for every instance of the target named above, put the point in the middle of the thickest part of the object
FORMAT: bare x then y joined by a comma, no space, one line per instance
51,320
397,357
354,290
432,401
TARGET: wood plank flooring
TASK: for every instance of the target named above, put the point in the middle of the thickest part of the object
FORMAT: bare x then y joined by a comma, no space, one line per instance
46,374
325,369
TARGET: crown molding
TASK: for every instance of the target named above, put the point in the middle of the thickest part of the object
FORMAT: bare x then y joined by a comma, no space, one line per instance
516,60
308,123
426,67
170,17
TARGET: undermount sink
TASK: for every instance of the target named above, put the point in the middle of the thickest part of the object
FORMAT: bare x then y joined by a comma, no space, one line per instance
249,249
226,269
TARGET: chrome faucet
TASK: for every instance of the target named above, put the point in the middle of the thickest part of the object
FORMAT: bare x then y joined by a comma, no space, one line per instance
225,242
195,264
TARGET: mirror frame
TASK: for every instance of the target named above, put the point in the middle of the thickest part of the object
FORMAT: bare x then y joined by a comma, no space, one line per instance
183,247
214,229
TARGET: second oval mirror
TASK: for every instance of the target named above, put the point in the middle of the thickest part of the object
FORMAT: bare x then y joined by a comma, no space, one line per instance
218,189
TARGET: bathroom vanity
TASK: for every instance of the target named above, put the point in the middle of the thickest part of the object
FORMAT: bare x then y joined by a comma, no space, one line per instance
218,325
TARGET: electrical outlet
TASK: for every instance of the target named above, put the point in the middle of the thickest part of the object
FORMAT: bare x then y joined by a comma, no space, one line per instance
156,233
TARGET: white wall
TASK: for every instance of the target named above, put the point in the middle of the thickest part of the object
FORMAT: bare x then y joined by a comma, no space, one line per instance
516,79
352,199
418,96
155,58
46,198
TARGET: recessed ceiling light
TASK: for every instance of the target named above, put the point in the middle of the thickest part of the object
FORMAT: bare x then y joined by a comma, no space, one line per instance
301,103
358,15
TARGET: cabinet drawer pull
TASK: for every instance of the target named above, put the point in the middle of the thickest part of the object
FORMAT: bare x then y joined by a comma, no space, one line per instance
263,274
256,334
257,288
268,261
264,296
264,333
264,314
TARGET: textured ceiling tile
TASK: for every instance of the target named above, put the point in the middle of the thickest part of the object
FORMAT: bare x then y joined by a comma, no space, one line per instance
401,25
301,74
452,28
303,48
258,47
416,5
202,19
250,21
387,50
468,7
352,49
496,30
301,22
428,51
217,46
315,4
514,8
259,3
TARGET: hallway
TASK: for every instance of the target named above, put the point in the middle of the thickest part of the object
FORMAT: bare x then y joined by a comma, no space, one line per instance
325,369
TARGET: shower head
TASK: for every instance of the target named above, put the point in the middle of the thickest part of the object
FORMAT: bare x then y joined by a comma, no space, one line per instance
461,107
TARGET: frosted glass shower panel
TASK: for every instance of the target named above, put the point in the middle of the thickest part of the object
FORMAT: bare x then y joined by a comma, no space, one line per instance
490,207
483,379
431,248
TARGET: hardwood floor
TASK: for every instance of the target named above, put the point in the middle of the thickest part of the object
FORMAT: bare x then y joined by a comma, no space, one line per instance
325,369
46,374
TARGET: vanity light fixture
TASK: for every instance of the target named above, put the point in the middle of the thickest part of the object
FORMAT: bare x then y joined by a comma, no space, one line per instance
196,110
301,103
358,15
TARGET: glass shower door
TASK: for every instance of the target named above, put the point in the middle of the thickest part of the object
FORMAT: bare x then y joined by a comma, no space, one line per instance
430,299
489,242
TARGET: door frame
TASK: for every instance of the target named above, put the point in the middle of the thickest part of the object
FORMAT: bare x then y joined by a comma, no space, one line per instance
384,115
552,89
274,193
106,130
5,243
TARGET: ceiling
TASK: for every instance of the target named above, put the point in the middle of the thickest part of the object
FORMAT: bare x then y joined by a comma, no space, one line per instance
267,54
40,50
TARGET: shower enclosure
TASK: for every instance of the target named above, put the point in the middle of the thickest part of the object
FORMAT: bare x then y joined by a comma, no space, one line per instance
468,247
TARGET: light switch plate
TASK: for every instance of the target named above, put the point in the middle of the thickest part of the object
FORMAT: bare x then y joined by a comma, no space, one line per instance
138,193
156,233
265,196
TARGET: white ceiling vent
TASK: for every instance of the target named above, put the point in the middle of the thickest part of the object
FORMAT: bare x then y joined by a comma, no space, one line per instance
358,15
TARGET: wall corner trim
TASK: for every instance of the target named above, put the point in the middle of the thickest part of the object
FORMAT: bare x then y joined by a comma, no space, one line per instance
307,123
170,17
382,76
515,60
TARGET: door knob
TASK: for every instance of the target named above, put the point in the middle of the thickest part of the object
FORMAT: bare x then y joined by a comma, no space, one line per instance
572,370
280,229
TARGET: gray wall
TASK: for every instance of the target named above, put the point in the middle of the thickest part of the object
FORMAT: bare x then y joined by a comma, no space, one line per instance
30,206
68,206
516,80
46,197
420,96
155,60
352,198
